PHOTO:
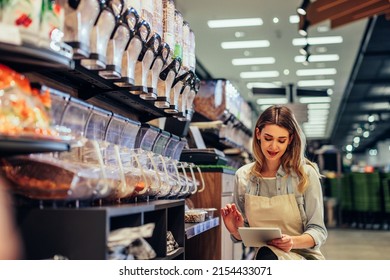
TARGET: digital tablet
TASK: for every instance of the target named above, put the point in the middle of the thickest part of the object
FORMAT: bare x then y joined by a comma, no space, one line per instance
257,236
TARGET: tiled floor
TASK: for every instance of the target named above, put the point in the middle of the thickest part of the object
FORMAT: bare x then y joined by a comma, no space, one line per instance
357,244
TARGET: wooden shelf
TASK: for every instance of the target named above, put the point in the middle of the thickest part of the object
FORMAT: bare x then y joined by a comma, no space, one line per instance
193,229
82,233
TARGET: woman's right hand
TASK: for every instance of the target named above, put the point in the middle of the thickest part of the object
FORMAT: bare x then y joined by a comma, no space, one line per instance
232,218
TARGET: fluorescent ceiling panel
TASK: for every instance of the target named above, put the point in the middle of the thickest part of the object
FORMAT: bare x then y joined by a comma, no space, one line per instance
259,74
253,61
316,83
318,106
318,112
317,58
263,85
314,99
239,22
265,101
317,40
315,72
245,44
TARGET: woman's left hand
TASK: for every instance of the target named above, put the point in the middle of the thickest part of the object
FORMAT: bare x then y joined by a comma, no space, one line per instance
285,243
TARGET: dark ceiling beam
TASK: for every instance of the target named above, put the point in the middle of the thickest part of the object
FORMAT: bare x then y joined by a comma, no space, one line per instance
371,142
384,82
370,99
322,10
376,9
363,47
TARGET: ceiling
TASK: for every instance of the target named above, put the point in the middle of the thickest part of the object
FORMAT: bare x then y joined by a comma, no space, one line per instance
361,75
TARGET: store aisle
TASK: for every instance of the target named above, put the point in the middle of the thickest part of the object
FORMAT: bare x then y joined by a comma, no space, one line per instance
355,244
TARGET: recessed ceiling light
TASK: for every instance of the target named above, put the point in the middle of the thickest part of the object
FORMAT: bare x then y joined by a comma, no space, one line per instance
253,60
317,40
223,23
324,99
321,49
239,34
268,101
323,28
317,58
315,72
275,20
329,91
259,74
286,72
245,44
316,83
294,19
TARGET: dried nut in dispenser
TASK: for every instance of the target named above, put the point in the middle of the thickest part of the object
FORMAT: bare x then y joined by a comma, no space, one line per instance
194,216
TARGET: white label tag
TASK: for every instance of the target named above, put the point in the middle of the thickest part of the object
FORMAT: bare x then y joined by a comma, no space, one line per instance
10,34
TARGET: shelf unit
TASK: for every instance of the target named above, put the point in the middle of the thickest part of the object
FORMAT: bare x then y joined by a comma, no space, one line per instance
82,233
57,70
194,229
11,146
218,192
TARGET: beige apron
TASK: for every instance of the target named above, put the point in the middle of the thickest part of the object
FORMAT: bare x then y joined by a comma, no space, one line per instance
279,211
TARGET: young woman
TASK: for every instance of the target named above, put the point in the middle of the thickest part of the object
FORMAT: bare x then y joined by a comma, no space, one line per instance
280,189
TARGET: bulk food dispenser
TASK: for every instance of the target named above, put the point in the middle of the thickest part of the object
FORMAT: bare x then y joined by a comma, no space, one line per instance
172,65
160,56
80,18
154,74
148,52
133,48
119,40
100,35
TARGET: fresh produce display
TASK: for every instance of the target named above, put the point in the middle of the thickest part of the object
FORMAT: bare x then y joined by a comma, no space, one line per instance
24,111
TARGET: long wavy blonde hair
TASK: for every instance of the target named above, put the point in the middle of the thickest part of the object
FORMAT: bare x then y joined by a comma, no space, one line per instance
294,158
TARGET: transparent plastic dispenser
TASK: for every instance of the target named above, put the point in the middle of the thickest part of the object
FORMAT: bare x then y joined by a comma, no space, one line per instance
161,142
117,44
59,101
115,129
154,74
75,118
129,134
132,50
178,87
179,148
100,35
146,137
143,65
97,124
171,146
195,85
80,17
165,82
183,97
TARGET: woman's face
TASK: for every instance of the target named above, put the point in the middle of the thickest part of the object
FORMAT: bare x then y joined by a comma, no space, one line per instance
274,140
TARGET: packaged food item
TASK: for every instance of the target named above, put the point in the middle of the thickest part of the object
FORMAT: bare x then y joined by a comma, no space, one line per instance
24,111
46,178
25,14
194,216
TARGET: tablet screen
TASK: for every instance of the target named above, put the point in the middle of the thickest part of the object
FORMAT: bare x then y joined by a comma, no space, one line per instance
258,236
